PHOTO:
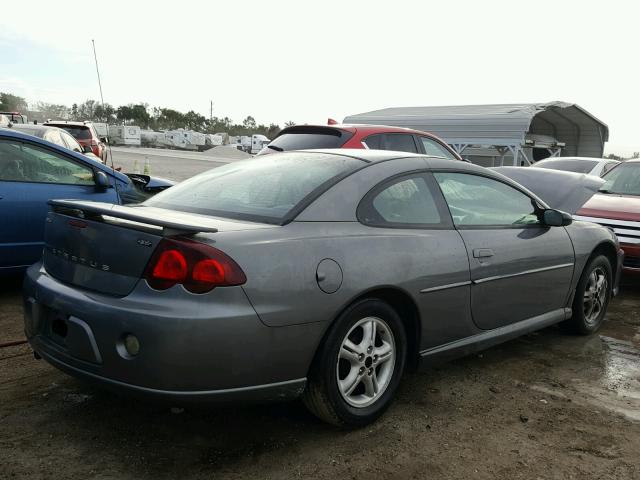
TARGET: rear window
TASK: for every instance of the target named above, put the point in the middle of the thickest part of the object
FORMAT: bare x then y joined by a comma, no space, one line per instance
265,189
310,138
577,166
78,132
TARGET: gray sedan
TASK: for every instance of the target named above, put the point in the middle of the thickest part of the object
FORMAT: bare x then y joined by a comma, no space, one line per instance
321,274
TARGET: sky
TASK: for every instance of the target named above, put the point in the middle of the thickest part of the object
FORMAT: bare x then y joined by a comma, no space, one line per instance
308,61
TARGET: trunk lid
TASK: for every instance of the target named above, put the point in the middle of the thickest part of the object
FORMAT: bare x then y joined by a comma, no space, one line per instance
566,191
105,248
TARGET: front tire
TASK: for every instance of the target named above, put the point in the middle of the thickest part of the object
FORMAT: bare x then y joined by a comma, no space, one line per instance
359,365
591,300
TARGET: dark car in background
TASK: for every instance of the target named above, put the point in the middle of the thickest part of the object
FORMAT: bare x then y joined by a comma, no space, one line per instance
318,273
86,134
34,171
373,137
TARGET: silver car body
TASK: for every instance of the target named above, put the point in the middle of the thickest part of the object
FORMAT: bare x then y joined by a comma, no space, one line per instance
589,165
258,340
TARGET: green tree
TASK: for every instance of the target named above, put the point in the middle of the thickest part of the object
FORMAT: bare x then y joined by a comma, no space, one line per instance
290,123
273,131
134,115
249,123
87,110
52,111
194,121
105,113
169,119
12,103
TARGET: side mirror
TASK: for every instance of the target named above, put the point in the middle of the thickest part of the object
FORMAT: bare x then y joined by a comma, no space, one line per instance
103,139
102,181
556,218
87,149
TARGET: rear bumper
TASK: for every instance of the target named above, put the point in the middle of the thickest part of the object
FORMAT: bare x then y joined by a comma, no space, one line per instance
272,392
208,348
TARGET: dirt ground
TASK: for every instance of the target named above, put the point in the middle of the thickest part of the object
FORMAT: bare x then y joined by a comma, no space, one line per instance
546,406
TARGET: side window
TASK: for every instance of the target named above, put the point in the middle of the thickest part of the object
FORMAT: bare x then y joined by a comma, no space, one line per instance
71,142
480,201
53,137
431,147
402,202
24,162
400,142
374,142
607,167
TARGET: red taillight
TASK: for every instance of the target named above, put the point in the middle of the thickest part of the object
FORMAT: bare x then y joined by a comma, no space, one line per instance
171,266
197,266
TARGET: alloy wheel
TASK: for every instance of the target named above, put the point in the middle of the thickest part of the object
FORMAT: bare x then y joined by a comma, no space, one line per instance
366,362
595,295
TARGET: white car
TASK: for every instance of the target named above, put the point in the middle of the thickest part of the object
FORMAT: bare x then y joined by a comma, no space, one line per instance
588,165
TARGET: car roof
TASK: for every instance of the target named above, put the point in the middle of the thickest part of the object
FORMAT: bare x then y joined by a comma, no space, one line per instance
35,130
67,122
368,156
14,134
375,156
354,127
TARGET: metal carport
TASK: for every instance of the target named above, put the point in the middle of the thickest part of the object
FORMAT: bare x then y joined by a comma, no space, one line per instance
516,134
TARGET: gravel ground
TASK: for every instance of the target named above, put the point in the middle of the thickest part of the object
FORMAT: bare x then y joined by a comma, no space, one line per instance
545,406
174,164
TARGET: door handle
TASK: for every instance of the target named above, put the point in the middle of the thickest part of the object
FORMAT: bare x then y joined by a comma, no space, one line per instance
482,253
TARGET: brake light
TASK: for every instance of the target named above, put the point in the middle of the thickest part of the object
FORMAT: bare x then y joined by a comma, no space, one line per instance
171,267
197,266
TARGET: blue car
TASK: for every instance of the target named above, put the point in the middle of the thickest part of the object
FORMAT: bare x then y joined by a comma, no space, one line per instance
33,171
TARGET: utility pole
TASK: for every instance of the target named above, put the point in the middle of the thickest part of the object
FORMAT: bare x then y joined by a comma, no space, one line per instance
211,111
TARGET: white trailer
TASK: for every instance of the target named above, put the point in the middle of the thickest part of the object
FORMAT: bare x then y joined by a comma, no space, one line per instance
250,144
185,140
150,138
258,142
101,129
125,135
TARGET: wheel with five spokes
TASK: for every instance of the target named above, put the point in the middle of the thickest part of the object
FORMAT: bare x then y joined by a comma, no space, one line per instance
358,368
593,293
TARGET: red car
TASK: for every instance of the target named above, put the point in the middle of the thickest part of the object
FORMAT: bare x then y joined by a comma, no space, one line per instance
617,206
86,135
304,137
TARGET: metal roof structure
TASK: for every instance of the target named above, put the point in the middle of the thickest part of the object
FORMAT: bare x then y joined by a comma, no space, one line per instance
509,130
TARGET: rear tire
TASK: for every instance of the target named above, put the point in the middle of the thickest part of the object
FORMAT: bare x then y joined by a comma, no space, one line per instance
358,368
591,300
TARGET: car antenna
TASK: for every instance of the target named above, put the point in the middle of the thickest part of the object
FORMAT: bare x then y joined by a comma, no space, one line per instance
95,57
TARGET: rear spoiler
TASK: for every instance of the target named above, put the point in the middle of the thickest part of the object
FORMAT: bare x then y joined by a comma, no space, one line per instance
171,221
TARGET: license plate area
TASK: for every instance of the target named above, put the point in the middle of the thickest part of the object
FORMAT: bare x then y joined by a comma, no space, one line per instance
72,335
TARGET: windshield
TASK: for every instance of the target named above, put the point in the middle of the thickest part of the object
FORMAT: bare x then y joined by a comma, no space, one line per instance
623,179
264,189
78,132
578,166
307,138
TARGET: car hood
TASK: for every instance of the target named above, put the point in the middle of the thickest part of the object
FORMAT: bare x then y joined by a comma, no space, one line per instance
566,191
615,207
